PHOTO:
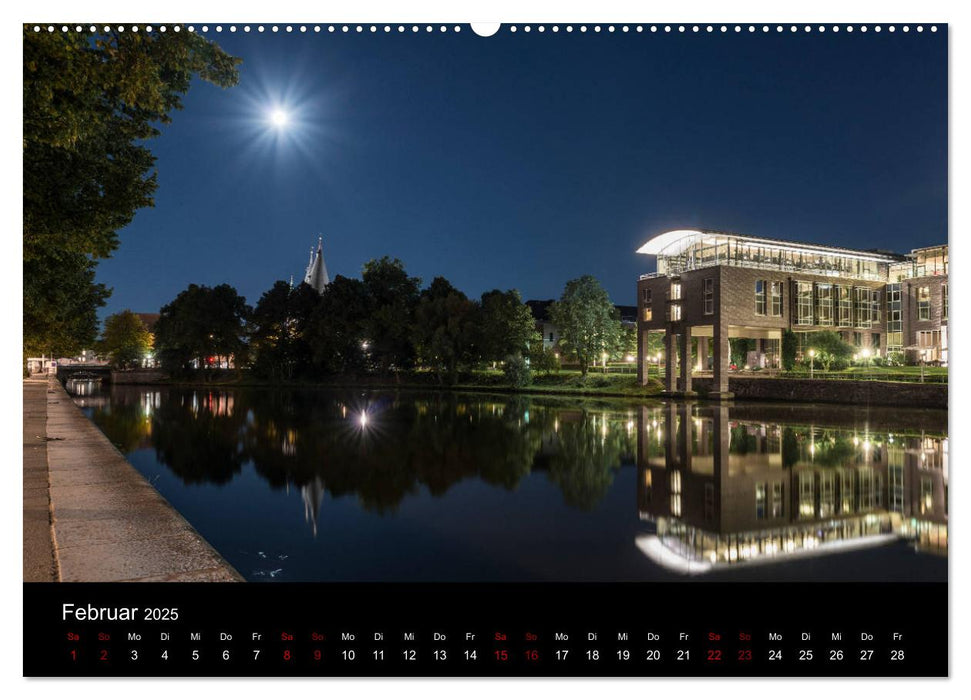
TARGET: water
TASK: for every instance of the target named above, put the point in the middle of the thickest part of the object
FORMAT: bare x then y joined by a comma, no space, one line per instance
373,485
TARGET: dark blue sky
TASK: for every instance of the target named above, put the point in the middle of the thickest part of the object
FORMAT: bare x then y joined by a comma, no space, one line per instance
522,161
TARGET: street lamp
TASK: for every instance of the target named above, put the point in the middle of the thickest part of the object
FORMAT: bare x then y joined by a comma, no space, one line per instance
866,358
812,363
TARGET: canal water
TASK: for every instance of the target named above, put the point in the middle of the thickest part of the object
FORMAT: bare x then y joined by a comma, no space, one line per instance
381,485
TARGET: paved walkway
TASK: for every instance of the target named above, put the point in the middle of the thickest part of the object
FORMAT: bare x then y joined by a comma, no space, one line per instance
39,561
109,523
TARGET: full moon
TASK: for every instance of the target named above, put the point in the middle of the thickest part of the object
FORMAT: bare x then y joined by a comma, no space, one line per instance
278,117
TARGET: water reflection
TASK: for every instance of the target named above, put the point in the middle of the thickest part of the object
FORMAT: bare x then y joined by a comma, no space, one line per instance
380,448
380,485
728,486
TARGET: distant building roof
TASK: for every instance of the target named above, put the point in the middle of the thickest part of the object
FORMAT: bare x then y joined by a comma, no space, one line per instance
663,241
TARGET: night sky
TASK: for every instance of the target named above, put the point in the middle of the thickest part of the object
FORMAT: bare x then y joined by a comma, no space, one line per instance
523,161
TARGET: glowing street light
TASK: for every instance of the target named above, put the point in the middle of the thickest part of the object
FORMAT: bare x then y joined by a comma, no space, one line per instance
812,361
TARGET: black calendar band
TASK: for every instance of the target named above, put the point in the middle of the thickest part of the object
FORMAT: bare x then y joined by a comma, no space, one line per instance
499,629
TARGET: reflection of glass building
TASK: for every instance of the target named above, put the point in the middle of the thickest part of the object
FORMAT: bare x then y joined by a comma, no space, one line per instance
711,286
726,486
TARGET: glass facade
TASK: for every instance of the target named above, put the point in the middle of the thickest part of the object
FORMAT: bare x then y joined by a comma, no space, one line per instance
708,249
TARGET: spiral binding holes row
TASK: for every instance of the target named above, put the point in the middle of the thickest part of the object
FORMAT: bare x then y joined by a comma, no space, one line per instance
512,29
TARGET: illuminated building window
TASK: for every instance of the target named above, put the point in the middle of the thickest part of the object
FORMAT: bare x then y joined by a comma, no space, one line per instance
895,336
709,295
824,304
760,297
646,300
675,290
923,303
844,306
674,312
862,307
775,293
804,303
778,505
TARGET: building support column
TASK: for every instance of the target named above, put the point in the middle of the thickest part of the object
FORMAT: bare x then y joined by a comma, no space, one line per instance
670,361
686,364
722,356
642,361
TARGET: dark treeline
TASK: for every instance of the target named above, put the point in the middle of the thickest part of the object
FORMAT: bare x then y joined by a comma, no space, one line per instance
383,323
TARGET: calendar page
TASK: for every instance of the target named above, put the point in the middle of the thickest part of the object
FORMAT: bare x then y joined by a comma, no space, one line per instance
472,350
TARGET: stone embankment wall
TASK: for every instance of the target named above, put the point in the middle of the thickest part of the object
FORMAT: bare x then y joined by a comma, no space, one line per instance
109,523
903,394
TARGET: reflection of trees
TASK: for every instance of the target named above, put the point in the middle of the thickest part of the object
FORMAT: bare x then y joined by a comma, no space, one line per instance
126,424
433,442
306,438
198,444
590,451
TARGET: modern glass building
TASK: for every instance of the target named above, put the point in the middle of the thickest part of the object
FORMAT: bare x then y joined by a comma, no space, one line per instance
710,286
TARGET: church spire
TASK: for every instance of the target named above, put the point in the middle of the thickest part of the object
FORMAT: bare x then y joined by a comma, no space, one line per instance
316,275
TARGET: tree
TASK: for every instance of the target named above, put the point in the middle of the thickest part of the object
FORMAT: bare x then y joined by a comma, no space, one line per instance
337,330
506,325
393,297
91,102
790,347
201,325
830,348
445,328
588,321
61,300
516,371
125,339
278,330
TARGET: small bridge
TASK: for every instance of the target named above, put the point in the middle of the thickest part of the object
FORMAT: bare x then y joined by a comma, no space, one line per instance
92,372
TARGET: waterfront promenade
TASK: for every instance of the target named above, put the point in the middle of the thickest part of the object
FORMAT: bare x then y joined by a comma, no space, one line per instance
89,515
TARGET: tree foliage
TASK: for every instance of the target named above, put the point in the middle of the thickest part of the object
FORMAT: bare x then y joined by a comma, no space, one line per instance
279,346
202,324
125,340
91,102
588,321
506,325
337,328
445,329
393,298
831,349
61,299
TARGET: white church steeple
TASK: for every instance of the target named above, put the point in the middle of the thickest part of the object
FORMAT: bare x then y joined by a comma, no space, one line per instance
316,275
